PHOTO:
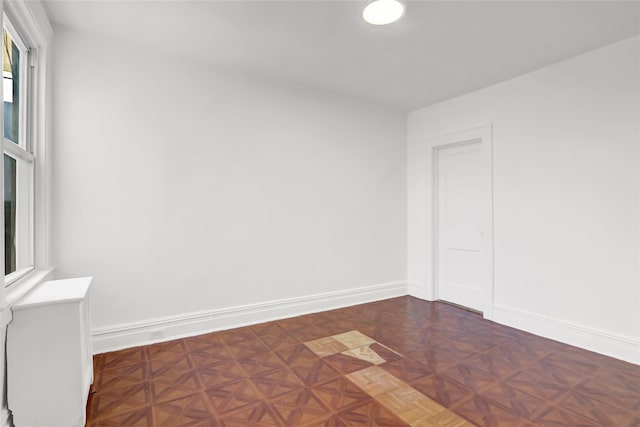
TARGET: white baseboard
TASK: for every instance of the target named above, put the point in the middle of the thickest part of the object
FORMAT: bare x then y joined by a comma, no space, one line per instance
602,342
167,328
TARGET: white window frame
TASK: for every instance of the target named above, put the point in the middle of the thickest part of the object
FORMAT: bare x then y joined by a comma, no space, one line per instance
22,152
30,23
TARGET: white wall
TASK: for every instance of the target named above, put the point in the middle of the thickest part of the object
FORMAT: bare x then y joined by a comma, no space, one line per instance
566,197
184,188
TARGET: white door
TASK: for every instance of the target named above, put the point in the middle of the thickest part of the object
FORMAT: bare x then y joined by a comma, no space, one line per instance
462,203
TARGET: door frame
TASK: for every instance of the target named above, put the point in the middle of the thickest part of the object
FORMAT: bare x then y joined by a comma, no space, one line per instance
483,135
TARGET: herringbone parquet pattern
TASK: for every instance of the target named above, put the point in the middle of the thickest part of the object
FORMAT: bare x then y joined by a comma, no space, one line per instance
446,367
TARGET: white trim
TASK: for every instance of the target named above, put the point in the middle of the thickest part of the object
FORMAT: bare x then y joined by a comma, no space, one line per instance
483,134
15,34
11,278
24,91
30,20
419,291
14,150
620,347
189,324
24,285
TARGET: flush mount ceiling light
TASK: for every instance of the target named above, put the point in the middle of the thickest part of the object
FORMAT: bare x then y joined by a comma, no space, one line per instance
383,12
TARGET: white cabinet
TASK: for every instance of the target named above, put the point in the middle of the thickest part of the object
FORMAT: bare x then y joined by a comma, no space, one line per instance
49,357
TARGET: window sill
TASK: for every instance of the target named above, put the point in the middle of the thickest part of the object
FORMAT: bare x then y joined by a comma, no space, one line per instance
23,286
16,276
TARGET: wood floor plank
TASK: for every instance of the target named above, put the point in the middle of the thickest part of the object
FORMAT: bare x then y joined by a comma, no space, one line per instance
392,363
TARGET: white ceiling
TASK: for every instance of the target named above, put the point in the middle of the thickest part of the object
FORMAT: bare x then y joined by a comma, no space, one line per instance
437,51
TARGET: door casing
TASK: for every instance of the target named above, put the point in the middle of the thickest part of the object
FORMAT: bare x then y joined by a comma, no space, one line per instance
483,135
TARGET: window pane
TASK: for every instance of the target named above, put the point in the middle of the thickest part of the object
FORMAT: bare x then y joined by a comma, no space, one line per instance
10,205
11,87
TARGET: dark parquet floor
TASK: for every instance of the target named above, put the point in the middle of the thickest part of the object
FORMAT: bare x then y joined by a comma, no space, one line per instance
263,375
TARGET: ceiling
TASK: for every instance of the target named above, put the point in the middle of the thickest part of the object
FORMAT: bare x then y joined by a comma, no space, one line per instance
440,49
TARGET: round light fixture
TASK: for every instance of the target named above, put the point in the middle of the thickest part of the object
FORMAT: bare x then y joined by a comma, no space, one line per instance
383,12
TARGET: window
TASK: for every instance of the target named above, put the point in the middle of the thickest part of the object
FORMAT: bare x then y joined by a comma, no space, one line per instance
19,161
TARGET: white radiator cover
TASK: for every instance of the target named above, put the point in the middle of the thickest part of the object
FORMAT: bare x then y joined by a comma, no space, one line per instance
49,355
